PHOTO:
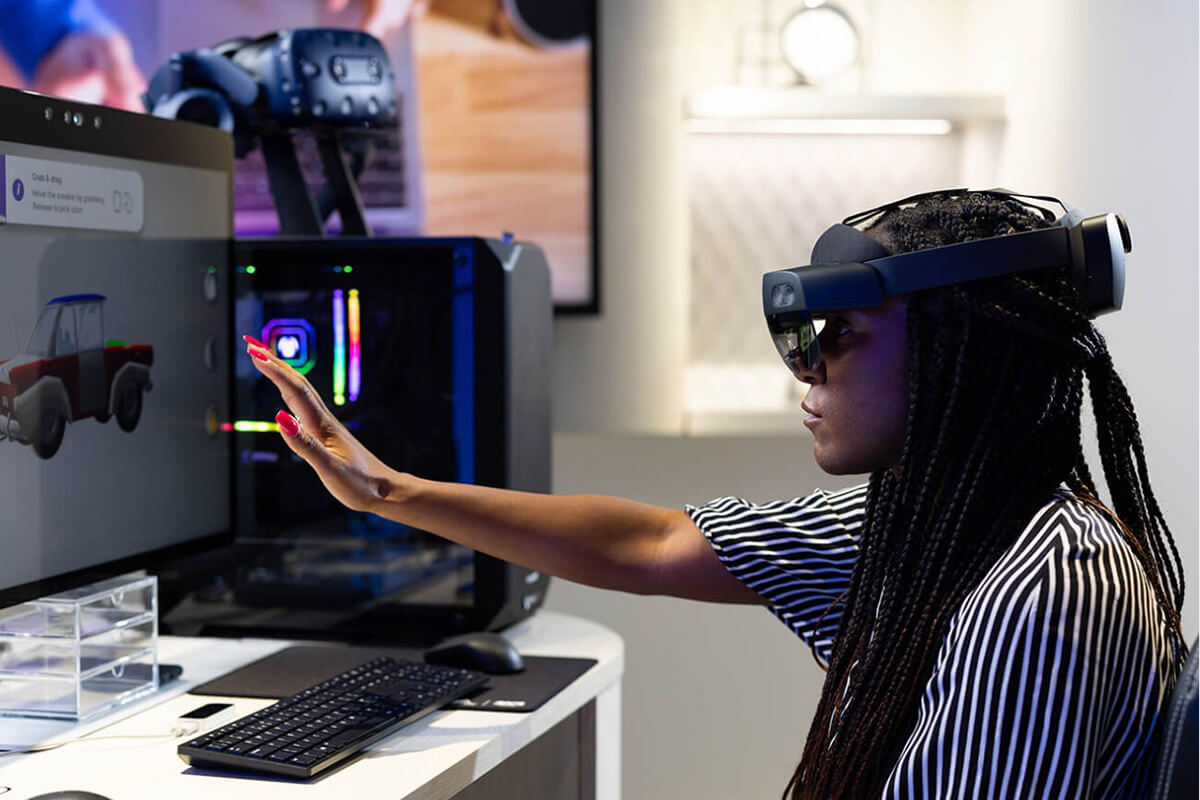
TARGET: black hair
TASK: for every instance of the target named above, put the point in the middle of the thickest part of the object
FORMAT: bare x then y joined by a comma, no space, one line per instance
996,387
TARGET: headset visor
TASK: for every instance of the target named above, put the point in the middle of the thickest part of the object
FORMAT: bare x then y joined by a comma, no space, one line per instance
797,341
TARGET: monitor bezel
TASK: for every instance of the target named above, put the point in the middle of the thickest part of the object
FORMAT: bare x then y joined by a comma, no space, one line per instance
122,134
591,306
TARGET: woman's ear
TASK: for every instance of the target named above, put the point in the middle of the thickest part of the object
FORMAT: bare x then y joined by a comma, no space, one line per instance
933,302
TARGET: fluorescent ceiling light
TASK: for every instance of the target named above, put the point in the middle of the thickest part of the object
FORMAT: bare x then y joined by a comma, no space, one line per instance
904,127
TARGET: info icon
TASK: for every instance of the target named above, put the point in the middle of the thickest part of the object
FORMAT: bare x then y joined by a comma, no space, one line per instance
293,341
18,190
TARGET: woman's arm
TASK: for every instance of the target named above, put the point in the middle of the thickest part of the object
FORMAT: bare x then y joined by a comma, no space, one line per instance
607,542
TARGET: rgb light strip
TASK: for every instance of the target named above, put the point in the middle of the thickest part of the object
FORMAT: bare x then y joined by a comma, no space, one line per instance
339,348
352,310
250,426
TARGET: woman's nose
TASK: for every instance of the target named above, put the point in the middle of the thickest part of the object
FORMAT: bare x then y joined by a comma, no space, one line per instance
812,374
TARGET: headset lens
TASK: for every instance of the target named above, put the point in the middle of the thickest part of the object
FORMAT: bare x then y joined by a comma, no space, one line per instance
797,344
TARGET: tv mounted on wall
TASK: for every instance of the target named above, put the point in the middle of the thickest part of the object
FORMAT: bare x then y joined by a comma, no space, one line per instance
498,120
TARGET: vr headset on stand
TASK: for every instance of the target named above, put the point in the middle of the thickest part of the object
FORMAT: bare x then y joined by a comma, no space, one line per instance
337,84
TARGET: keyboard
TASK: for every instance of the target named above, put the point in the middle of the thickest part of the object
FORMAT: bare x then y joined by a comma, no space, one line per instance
315,729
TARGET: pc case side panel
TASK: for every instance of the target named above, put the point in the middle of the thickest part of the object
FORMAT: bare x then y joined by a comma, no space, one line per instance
530,345
529,353
507,593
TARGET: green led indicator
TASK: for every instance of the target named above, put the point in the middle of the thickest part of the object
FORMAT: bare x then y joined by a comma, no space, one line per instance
349,268
251,269
253,426
212,270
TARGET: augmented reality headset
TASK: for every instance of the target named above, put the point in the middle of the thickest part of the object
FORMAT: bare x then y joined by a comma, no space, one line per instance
849,270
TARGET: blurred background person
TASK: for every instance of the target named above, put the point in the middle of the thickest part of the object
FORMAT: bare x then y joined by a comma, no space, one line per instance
69,48
79,50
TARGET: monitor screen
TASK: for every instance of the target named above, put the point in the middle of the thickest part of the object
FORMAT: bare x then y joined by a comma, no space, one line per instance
114,373
387,338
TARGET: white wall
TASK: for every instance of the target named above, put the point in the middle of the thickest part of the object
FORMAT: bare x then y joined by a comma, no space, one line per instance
1105,116
624,370
1102,108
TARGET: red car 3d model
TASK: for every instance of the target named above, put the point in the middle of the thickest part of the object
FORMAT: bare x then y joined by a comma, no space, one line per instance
68,373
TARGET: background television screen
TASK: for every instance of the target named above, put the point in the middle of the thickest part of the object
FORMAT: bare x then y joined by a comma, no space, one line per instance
113,375
496,132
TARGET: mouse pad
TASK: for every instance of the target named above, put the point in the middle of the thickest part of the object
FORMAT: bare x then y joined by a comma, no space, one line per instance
296,668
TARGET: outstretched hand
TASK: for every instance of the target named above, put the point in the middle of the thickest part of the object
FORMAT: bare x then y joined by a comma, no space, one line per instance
382,17
349,471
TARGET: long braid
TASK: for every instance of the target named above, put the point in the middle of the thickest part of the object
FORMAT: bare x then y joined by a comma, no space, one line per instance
1128,478
996,374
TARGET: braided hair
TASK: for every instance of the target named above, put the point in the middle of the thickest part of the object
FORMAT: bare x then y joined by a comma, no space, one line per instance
995,390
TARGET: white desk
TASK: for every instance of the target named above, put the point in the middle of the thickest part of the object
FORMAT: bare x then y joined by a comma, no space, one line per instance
438,756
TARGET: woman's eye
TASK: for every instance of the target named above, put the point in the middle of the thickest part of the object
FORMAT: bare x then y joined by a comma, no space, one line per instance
841,327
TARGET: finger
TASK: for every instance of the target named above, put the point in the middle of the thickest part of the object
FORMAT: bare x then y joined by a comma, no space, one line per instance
384,16
304,444
329,466
125,84
297,393
336,6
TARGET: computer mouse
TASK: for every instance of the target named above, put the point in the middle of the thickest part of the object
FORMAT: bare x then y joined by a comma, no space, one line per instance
481,650
70,794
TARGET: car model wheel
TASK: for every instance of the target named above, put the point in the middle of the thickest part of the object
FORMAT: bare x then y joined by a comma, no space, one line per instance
49,434
129,406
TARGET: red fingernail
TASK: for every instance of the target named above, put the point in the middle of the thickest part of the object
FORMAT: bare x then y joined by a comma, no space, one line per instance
261,355
256,342
287,423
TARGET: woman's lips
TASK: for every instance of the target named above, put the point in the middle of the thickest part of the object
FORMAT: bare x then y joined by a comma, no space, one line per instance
813,417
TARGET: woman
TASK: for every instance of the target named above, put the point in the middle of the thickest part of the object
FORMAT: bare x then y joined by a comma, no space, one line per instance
989,627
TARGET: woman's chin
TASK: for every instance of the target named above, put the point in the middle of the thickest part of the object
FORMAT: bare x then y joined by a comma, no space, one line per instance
836,461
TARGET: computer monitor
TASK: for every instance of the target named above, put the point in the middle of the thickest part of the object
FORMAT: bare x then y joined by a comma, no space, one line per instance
114,371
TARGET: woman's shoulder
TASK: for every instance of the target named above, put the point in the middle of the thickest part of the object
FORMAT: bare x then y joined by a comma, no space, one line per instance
843,508
852,499
1068,530
1072,560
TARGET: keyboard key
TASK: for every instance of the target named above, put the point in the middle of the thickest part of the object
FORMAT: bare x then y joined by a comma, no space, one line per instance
304,760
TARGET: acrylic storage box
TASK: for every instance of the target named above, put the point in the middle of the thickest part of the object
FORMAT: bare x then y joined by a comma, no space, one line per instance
77,654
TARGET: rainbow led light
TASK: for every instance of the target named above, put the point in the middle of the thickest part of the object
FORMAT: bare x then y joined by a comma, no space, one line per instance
339,348
250,426
293,341
354,313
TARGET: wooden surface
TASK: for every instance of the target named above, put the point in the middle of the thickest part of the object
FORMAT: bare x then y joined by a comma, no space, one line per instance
505,136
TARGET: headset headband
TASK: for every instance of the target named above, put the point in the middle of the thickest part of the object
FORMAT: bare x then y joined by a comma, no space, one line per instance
850,269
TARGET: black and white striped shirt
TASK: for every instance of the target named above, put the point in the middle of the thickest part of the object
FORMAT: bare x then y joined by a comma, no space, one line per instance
1051,676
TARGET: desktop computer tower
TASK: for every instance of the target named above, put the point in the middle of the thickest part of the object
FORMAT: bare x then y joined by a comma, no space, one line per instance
435,353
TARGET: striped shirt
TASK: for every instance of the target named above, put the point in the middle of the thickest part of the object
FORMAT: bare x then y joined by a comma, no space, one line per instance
1050,678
